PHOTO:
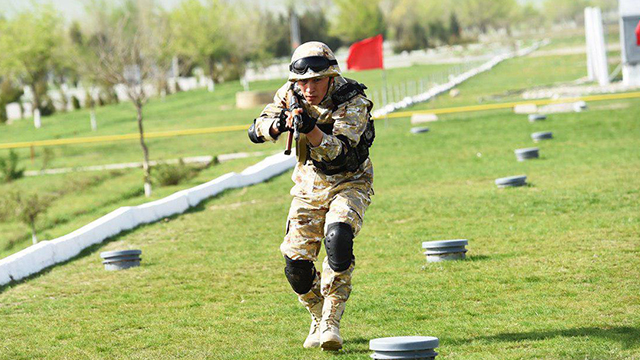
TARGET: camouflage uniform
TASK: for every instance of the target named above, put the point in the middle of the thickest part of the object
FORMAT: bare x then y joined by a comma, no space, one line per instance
319,199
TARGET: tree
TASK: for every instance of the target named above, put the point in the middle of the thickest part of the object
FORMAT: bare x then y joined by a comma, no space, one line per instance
565,10
200,33
314,26
357,20
131,51
24,208
28,47
485,14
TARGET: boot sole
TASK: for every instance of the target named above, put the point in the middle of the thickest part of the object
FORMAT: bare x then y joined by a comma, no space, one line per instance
331,346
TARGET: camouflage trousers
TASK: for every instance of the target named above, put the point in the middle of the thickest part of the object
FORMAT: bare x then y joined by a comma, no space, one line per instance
306,225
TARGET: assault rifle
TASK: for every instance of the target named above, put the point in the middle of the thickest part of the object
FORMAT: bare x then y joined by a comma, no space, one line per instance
293,104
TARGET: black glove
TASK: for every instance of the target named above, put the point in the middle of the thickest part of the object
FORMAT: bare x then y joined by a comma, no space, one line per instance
307,124
281,123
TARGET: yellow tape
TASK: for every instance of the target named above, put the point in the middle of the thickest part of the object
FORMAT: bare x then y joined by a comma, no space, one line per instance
111,138
163,134
486,107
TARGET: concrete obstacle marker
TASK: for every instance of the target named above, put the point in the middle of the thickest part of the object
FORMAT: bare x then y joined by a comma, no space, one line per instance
121,259
543,135
423,118
512,181
537,117
250,99
526,154
525,109
404,347
418,130
579,106
444,250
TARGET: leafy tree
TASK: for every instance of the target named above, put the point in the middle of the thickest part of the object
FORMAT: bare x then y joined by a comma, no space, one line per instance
357,20
200,33
485,14
314,26
28,47
9,93
565,10
275,34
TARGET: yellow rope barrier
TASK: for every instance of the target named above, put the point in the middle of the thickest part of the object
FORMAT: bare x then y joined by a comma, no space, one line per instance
222,129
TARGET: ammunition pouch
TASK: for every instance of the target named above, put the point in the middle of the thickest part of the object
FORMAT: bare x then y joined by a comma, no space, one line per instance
351,157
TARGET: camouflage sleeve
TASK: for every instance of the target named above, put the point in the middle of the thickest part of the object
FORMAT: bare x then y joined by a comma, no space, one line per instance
270,114
350,121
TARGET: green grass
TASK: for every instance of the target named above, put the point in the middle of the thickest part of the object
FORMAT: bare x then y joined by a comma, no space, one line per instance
552,270
188,110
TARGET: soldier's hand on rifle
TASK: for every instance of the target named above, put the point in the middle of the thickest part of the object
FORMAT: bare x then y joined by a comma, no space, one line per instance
282,124
305,126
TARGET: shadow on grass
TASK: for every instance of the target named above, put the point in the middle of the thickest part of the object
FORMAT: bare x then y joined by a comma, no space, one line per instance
627,336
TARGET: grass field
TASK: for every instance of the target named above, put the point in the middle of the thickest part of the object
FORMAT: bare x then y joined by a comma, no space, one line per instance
552,270
181,111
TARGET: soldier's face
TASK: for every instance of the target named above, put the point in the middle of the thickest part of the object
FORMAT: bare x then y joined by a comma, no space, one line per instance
314,90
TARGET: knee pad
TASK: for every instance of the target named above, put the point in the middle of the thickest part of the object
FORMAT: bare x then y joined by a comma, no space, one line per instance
300,274
339,245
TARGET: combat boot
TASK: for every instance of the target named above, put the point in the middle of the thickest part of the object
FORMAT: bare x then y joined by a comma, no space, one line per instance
330,338
313,301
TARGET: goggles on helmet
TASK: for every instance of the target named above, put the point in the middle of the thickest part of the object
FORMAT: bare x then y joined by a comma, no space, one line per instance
315,63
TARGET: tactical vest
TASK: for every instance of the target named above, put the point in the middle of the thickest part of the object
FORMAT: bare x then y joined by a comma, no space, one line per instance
351,159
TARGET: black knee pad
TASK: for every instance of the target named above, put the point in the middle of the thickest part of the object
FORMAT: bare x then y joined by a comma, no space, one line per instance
300,274
339,244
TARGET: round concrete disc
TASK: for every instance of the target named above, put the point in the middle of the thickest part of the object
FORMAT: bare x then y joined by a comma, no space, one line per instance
404,343
527,150
445,244
418,130
115,253
441,251
537,117
511,180
542,135
395,355
120,259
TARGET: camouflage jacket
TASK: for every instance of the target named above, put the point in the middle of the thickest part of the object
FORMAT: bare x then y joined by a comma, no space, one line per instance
349,120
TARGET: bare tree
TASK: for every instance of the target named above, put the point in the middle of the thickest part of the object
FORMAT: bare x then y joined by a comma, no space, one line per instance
24,208
129,44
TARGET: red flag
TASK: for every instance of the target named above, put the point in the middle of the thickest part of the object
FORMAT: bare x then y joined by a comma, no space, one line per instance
638,34
366,54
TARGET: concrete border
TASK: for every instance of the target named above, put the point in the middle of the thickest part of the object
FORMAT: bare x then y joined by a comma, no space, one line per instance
44,254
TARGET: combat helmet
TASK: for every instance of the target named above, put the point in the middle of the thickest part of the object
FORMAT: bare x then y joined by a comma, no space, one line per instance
311,60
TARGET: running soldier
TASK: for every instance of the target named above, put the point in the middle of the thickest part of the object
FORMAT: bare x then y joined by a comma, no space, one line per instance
333,182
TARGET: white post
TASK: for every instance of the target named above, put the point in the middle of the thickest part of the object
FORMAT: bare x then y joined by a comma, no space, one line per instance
597,66
94,123
36,119
589,39
603,64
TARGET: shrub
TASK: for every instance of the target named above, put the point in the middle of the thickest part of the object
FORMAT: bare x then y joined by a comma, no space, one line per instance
9,168
172,174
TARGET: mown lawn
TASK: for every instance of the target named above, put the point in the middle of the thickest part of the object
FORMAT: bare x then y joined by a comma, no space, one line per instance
187,110
95,194
552,269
